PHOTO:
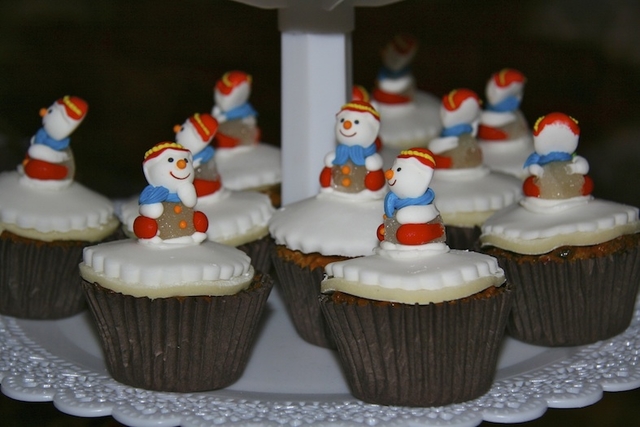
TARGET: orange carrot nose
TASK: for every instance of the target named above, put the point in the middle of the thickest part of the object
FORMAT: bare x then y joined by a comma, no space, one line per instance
347,124
177,128
182,163
42,112
388,174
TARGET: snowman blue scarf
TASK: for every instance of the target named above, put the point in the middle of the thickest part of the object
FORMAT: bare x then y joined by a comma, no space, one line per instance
392,202
241,111
510,103
356,153
42,137
204,155
542,159
152,194
457,130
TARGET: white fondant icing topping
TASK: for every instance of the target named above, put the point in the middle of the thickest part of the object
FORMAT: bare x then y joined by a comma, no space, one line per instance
428,279
328,225
507,156
71,213
550,206
411,124
464,174
519,230
468,202
132,268
496,118
253,167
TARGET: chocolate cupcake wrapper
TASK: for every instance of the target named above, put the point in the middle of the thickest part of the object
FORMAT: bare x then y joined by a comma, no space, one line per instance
574,302
300,290
462,237
260,253
179,344
419,355
40,280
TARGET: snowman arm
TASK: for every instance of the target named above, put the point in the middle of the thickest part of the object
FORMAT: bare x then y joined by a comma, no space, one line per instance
373,162
47,154
328,159
578,165
417,214
151,210
218,114
187,195
445,143
535,170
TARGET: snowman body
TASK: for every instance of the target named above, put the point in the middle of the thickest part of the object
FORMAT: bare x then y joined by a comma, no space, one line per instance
556,172
236,116
166,204
410,216
355,166
49,161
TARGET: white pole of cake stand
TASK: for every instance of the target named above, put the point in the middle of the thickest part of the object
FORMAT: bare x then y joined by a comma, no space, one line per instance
316,80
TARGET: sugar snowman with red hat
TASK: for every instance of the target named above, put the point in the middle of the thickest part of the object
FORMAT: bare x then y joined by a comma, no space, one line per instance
556,172
245,162
468,191
196,134
504,134
410,217
166,204
409,117
355,167
49,161
457,148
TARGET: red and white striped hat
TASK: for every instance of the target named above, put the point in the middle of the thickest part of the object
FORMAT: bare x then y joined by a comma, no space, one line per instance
422,155
232,79
454,99
205,124
556,119
362,107
74,107
159,148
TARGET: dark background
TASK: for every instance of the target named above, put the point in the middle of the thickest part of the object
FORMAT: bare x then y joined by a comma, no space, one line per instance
144,66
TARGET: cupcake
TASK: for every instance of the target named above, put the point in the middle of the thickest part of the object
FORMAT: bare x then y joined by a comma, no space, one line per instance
236,218
174,312
336,224
46,218
244,161
408,116
574,260
416,323
503,134
468,191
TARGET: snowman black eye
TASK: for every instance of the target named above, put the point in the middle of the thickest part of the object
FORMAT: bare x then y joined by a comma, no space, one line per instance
50,110
398,169
342,120
186,160
356,121
170,160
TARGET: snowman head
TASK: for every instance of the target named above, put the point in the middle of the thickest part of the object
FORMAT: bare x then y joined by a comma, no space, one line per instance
196,132
459,106
504,83
63,116
169,165
399,52
411,173
232,90
357,123
556,132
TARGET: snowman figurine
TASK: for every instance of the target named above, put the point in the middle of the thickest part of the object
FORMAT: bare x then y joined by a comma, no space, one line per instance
196,134
355,166
395,83
556,172
166,204
457,148
237,117
410,217
501,119
49,161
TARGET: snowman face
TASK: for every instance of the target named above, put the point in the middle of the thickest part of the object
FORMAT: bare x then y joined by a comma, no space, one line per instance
56,122
356,128
395,60
238,96
467,112
555,137
409,178
188,137
495,94
170,169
